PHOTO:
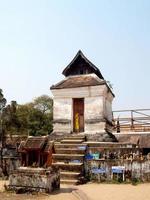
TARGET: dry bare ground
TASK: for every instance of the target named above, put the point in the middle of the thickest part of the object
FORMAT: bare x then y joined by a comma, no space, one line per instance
65,193
91,191
116,192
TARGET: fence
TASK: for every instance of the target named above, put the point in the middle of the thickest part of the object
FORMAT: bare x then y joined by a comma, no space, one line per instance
137,120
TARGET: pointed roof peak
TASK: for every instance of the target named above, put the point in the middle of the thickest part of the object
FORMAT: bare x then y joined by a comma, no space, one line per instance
80,53
74,65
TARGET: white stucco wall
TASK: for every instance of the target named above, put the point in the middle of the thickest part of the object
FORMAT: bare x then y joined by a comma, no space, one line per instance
94,111
108,98
62,108
108,110
80,92
62,111
93,107
97,106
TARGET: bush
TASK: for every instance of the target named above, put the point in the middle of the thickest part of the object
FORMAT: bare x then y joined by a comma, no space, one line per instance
135,181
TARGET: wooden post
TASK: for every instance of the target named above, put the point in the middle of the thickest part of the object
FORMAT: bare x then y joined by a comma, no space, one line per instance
118,126
21,159
27,159
132,120
38,158
123,175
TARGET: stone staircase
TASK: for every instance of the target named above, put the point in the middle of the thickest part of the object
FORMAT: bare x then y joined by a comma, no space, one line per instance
69,157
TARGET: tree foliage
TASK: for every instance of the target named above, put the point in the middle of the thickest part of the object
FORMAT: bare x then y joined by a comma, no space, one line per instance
40,118
10,118
43,103
34,118
2,100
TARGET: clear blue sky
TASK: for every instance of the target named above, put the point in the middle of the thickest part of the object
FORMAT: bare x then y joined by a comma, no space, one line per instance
38,38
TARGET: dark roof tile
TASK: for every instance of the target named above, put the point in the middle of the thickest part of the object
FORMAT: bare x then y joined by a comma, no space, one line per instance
79,81
35,143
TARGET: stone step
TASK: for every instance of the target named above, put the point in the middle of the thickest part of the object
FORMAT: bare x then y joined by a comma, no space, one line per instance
69,182
57,143
67,141
75,137
70,166
68,157
69,151
69,175
61,145
59,155
101,144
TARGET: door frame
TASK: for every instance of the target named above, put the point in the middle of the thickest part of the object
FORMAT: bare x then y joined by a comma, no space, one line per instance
73,114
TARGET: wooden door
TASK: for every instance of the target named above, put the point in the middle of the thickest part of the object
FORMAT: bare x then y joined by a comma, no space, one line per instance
78,115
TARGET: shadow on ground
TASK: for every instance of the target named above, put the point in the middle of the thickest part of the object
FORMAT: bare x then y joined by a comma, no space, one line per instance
64,189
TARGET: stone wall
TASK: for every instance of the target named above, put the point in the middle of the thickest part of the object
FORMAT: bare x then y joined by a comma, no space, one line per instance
10,165
34,179
135,169
10,161
101,137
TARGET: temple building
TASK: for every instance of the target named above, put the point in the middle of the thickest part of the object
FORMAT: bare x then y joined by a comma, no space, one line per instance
87,142
83,100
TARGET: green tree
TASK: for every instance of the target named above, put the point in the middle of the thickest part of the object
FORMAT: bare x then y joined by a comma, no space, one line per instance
40,119
23,113
33,118
11,121
44,103
2,101
2,107
36,117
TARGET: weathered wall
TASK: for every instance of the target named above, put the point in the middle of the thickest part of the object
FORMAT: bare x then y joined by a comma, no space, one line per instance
108,106
11,164
62,114
10,161
61,107
133,169
94,114
36,179
103,156
97,108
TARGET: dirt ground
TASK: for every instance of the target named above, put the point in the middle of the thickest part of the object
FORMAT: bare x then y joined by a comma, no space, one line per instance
116,192
91,191
65,193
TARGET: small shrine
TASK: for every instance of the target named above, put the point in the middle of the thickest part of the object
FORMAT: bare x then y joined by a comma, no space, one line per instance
36,152
83,100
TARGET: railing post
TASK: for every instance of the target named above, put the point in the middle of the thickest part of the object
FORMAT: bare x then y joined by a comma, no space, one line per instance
132,120
118,126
